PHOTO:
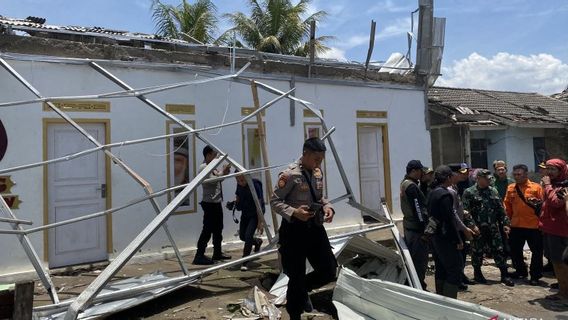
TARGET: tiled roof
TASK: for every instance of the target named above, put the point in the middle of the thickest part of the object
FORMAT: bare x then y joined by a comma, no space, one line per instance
511,108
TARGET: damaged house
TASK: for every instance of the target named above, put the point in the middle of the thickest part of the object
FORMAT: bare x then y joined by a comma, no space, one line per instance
373,112
480,126
77,104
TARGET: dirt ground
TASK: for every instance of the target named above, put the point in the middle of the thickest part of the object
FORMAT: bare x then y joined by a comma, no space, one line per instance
209,298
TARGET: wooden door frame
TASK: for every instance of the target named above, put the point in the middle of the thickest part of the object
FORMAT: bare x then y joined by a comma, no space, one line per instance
386,159
46,123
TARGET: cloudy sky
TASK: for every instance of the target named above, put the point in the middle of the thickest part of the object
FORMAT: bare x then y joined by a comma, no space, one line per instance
517,45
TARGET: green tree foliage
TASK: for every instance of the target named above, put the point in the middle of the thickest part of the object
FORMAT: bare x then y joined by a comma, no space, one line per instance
275,26
187,20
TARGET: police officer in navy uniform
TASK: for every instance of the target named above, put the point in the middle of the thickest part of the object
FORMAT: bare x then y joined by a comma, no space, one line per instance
299,200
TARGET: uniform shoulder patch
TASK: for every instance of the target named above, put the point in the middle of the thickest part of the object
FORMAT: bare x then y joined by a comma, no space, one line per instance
317,173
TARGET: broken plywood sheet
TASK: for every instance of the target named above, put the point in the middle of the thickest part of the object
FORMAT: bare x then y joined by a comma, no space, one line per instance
359,298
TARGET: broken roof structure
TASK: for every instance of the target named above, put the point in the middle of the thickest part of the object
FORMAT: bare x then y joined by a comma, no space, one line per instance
95,292
479,107
108,44
96,51
562,95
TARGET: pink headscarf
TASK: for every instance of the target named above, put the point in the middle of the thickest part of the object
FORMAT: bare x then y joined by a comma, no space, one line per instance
561,165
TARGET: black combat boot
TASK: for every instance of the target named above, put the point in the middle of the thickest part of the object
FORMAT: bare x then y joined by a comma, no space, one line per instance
505,279
450,290
478,276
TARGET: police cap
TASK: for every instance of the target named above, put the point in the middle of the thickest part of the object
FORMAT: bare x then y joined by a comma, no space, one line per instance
414,164
483,173
314,144
455,167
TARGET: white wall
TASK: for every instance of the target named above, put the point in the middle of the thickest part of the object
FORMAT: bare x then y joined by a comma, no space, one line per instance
131,119
513,145
520,148
497,147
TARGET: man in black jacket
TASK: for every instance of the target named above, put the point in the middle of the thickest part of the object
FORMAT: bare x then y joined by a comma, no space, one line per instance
447,241
415,217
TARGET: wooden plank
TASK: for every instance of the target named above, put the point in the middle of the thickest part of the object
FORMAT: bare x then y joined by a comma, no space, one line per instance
264,150
23,300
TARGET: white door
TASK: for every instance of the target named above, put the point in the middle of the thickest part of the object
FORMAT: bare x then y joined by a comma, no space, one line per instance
371,166
76,188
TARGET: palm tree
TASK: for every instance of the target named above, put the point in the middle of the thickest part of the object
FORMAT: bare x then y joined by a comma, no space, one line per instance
197,21
276,26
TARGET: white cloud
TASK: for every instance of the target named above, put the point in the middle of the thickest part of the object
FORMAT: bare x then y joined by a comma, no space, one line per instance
541,73
355,41
389,6
334,53
398,28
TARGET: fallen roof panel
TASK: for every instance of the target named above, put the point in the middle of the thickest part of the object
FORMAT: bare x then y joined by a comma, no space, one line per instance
359,298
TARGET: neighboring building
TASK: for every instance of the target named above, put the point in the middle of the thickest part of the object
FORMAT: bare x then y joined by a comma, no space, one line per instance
479,126
375,113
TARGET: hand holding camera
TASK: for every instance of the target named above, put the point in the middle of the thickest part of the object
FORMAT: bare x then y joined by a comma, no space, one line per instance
230,205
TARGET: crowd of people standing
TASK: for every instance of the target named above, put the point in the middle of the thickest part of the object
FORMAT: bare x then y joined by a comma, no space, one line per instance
454,210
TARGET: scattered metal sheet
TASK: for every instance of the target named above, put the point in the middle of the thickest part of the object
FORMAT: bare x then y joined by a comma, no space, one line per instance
358,298
91,296
387,263
110,307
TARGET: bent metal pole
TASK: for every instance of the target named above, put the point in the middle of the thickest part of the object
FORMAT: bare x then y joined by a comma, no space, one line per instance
30,252
85,298
186,126
145,185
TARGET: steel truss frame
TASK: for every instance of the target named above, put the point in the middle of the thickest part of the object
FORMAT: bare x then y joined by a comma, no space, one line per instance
90,295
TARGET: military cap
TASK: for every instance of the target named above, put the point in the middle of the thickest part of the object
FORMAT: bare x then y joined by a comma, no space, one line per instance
427,170
483,173
314,144
542,165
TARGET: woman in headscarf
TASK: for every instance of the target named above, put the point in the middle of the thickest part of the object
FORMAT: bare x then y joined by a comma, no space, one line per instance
446,240
554,221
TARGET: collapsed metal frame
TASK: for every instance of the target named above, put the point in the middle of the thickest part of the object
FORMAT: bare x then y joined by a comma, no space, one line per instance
89,295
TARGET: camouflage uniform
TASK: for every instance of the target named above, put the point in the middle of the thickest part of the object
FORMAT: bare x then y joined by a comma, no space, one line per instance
487,213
